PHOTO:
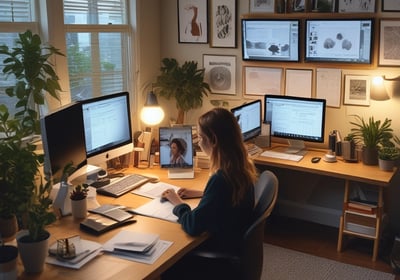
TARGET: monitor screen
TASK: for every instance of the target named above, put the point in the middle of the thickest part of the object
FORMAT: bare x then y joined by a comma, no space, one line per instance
295,118
107,127
249,119
63,140
270,39
176,147
339,40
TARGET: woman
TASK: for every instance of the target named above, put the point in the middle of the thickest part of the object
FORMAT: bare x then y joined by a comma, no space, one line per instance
178,149
225,209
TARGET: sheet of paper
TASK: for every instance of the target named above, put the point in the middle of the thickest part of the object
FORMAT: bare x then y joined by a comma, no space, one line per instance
131,241
329,86
298,82
154,190
157,209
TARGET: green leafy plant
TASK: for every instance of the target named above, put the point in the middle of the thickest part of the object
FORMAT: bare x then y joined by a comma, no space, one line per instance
372,133
79,192
184,83
389,153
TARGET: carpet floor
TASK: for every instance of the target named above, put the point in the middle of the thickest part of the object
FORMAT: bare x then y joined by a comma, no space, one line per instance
285,264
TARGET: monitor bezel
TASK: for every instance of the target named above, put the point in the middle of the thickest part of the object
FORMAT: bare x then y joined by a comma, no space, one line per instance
307,58
244,20
249,135
320,139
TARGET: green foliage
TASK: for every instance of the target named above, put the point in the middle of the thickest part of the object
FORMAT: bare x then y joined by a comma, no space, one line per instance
79,192
372,133
184,83
389,153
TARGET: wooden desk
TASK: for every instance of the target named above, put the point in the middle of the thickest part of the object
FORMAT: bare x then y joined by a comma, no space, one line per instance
357,172
111,267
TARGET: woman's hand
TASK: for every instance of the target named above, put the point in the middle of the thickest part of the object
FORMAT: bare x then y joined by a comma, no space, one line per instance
172,196
188,193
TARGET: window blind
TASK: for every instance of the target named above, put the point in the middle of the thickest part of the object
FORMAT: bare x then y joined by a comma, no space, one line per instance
16,11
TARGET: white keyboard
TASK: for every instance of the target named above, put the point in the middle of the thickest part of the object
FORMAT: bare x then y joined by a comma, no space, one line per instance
273,154
253,150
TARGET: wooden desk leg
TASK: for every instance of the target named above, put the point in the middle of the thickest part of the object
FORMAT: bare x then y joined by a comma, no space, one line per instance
378,224
341,225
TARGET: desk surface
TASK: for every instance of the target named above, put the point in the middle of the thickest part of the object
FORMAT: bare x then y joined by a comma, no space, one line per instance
356,171
110,267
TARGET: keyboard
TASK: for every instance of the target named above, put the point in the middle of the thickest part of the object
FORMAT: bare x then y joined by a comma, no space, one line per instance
279,155
124,185
253,150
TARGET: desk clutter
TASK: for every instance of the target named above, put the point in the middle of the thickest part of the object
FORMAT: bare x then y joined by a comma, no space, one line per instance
74,252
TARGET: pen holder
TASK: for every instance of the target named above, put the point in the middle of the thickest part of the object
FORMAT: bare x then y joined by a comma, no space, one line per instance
65,249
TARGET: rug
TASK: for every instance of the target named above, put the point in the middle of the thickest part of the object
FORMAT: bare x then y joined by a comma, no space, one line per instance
284,264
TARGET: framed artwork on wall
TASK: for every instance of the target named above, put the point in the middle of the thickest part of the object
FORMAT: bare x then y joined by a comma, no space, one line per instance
356,6
223,23
357,90
254,82
390,6
262,6
192,21
389,54
220,73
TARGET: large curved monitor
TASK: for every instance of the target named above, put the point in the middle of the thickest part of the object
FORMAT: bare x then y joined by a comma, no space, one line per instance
248,116
63,140
297,119
107,127
339,40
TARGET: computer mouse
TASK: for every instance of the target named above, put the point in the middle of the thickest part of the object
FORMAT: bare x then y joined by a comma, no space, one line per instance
315,159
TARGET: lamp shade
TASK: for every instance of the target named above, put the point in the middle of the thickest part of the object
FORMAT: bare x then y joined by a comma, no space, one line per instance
378,89
152,113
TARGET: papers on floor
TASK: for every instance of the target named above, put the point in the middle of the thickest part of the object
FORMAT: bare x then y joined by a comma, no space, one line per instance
137,246
154,190
85,250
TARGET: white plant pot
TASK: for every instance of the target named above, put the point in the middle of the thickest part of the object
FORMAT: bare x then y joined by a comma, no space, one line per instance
386,165
33,254
79,208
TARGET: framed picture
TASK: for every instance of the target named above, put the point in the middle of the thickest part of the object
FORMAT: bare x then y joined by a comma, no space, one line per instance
357,90
192,21
255,77
262,6
390,6
356,6
223,23
298,82
323,6
220,73
389,42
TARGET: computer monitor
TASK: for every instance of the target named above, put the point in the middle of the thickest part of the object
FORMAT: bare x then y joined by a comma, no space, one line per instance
107,127
63,140
270,39
249,119
176,151
297,119
339,40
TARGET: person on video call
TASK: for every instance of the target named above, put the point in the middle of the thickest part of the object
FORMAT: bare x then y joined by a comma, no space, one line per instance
178,149
226,205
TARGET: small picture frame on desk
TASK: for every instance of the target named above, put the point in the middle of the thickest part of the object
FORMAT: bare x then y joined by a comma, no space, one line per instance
357,90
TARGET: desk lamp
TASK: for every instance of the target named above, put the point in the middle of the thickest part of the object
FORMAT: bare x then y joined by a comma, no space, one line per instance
152,114
378,89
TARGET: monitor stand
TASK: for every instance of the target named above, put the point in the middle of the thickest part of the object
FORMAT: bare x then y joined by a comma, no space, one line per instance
295,146
180,173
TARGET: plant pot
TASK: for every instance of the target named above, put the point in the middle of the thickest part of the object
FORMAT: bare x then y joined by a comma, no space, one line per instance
8,228
8,262
386,165
33,254
79,208
370,156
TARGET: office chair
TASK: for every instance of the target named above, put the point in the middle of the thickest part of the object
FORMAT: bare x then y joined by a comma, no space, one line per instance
247,265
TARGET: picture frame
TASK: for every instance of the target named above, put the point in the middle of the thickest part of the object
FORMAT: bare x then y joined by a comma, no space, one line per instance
192,21
223,23
220,73
390,6
356,6
255,77
357,90
323,6
388,42
265,6
298,82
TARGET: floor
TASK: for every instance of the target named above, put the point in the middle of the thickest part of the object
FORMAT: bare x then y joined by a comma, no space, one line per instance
320,240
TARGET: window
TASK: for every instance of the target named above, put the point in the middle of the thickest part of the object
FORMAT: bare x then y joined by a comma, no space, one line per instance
97,38
15,17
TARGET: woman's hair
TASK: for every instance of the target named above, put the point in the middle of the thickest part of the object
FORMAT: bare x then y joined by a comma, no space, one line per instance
180,143
228,152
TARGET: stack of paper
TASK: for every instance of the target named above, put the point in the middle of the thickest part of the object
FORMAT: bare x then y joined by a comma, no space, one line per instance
136,246
202,160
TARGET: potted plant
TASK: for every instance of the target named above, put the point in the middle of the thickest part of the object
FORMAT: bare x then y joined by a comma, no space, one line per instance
371,134
79,201
20,180
387,157
185,83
